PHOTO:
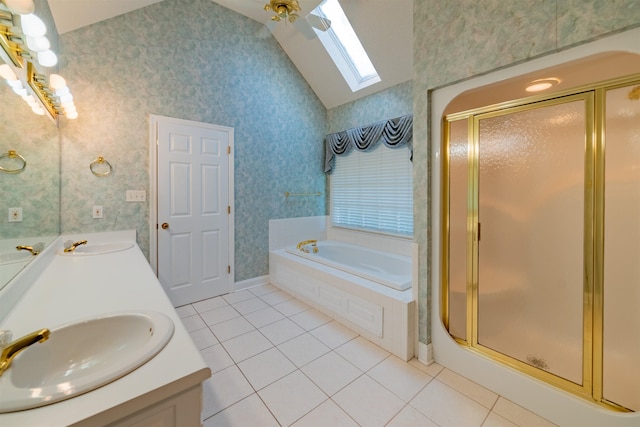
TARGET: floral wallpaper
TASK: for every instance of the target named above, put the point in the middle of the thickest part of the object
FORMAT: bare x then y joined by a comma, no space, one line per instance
460,39
194,60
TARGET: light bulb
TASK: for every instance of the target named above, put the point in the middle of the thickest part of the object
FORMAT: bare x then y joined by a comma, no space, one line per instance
56,81
21,7
38,44
15,84
20,91
72,115
7,73
32,25
38,110
47,58
66,98
29,99
64,90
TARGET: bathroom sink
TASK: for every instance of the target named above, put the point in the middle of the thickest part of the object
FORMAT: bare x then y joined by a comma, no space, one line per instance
98,249
82,356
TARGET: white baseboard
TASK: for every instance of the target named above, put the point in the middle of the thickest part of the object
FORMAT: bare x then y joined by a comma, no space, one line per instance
425,353
250,283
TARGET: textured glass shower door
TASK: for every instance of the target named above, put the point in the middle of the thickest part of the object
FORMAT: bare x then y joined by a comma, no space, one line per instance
532,195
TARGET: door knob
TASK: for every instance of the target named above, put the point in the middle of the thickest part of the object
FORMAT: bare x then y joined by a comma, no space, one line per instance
165,225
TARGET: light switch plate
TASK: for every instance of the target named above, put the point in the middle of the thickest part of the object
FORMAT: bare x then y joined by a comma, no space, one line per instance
136,195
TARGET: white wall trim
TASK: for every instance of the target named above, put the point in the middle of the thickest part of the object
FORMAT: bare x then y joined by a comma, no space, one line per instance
250,283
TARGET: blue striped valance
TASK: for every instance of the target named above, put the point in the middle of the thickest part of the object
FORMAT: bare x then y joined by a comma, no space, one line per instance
393,133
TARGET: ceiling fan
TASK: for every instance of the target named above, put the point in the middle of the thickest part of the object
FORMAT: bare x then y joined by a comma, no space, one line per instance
289,11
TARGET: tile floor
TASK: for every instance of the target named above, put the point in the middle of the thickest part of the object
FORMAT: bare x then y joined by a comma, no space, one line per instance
276,361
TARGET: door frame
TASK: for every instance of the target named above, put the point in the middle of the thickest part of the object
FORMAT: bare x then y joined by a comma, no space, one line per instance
154,119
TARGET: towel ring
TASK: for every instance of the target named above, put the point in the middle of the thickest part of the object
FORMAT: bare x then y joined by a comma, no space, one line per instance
99,162
13,155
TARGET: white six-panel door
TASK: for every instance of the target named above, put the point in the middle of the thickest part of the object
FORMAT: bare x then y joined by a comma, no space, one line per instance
193,215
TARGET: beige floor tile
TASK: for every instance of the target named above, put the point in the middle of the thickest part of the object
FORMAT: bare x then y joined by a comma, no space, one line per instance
250,411
223,389
292,397
193,323
411,417
217,358
291,307
519,415
266,367
331,372
209,304
231,328
263,289
327,414
495,420
235,297
448,407
369,403
219,315
303,349
264,317
310,319
333,334
404,380
485,397
281,331
276,297
250,305
185,311
203,338
246,345
362,353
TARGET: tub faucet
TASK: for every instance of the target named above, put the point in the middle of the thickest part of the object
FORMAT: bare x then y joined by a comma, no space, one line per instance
70,246
12,350
301,246
35,249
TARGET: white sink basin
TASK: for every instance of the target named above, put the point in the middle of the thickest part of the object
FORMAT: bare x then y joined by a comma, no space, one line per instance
80,357
98,249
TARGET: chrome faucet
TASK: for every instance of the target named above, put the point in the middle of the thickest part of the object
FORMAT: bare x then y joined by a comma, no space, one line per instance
35,249
12,350
70,246
313,243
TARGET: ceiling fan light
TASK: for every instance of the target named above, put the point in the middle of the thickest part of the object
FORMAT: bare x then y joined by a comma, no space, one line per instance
57,82
32,25
21,7
15,84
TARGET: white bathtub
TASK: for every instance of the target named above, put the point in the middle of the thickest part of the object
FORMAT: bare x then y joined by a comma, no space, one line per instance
385,268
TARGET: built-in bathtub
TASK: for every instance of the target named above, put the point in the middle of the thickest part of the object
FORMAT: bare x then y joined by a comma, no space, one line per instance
388,269
363,298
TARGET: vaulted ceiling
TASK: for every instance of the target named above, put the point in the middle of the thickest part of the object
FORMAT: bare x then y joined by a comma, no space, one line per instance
384,27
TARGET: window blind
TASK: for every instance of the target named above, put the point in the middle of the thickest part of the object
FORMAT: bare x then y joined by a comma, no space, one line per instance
373,191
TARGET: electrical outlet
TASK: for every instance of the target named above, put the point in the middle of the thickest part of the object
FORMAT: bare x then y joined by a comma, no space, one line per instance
97,212
136,195
15,214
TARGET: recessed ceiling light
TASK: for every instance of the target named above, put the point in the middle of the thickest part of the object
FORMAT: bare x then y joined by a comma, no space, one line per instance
542,84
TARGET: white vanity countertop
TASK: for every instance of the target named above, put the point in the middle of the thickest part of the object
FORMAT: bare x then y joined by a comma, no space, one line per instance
73,288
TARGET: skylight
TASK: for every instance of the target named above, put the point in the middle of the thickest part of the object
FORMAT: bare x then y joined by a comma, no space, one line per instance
344,47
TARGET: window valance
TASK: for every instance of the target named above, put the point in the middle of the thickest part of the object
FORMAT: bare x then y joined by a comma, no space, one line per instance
393,133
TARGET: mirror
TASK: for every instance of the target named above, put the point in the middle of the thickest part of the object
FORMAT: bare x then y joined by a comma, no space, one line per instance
35,190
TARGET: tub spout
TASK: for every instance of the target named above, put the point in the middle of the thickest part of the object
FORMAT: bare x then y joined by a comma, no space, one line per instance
35,249
301,246
12,350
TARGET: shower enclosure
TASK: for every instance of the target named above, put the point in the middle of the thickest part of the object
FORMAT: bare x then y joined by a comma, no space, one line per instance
541,237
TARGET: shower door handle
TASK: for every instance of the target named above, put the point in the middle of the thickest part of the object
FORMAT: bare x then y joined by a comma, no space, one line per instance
165,225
